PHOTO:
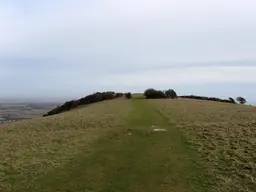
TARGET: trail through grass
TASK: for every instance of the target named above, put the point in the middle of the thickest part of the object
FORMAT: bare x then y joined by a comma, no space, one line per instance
131,157
223,134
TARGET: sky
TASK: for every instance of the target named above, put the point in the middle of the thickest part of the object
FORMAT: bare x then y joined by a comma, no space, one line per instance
65,49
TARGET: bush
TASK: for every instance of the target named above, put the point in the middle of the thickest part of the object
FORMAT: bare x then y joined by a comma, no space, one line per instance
118,95
207,98
171,94
154,94
128,95
241,100
231,100
93,98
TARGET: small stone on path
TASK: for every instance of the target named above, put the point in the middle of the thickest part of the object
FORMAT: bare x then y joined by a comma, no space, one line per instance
159,130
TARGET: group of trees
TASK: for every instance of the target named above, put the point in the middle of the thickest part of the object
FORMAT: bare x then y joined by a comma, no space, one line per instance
240,100
93,98
157,94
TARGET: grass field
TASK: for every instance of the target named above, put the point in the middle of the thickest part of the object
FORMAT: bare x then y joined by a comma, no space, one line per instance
112,146
224,135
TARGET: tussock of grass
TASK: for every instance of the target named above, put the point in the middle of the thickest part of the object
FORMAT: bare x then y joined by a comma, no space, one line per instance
224,134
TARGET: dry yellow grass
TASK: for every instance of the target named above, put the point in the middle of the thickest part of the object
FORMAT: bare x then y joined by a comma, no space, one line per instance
32,148
108,146
224,134
112,146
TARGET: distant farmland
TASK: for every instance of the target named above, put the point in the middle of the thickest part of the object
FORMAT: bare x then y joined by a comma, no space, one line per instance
11,112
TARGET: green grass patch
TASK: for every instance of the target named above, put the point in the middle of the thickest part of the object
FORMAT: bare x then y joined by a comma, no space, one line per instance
223,134
115,149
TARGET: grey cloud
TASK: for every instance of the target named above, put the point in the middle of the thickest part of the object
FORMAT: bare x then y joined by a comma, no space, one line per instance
69,42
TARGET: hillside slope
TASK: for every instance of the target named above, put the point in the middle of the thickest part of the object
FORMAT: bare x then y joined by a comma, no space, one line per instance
115,146
224,135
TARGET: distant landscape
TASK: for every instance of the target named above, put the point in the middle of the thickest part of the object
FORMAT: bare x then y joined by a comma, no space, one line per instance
18,111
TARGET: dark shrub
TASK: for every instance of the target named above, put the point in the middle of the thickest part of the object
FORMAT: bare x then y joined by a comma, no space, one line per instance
241,100
119,95
149,92
154,94
93,98
128,95
206,98
171,94
231,100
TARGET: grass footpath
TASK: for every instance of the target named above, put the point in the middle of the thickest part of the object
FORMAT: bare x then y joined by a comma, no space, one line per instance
131,158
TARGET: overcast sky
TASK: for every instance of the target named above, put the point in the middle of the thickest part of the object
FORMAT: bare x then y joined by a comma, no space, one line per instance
69,48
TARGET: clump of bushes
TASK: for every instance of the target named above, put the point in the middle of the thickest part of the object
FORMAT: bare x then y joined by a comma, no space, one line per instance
157,94
154,94
171,94
93,98
128,95
230,100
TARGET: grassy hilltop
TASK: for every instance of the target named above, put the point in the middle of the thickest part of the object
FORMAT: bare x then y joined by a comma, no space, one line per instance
133,145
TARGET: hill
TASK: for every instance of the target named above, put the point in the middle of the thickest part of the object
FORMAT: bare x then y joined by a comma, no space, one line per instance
89,99
133,145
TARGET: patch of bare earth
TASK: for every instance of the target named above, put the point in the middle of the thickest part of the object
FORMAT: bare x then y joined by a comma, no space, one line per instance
224,134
